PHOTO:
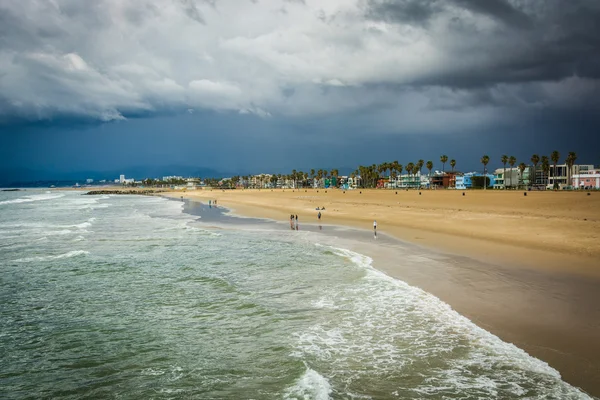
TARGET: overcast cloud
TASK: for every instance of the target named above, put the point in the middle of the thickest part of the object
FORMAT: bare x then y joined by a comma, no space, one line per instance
423,64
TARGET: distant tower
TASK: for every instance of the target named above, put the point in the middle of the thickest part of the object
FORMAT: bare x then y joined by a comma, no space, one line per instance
122,179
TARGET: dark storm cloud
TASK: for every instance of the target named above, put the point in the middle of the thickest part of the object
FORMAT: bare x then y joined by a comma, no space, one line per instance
499,9
415,59
192,11
421,11
403,11
535,41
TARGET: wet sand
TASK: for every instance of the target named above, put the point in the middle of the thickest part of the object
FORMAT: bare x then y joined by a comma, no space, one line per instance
545,302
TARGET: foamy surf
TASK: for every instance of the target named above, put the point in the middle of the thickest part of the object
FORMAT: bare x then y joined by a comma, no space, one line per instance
393,326
310,386
230,318
29,199
70,254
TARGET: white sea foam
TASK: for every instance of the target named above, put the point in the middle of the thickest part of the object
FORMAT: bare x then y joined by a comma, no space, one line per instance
310,386
83,225
55,233
391,325
70,254
36,197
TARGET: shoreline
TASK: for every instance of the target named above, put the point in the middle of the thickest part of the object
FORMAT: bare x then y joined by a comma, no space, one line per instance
546,310
545,239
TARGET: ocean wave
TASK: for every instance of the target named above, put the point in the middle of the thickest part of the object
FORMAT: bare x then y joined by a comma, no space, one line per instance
70,254
37,227
201,231
311,385
36,197
56,233
83,225
391,325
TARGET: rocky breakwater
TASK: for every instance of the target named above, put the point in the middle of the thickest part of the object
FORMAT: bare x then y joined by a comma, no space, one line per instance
143,192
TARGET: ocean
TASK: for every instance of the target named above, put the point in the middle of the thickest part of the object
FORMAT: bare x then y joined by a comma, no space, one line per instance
130,297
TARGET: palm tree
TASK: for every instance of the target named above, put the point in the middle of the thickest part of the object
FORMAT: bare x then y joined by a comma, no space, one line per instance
522,167
394,171
452,165
546,167
334,174
511,161
571,158
504,160
420,164
409,169
415,170
399,168
555,156
429,166
485,160
443,159
293,176
535,159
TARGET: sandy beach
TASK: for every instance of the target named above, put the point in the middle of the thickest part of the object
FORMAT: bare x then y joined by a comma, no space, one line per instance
558,230
526,268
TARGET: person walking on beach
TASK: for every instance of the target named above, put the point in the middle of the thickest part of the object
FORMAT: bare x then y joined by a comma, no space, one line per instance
319,215
296,221
292,221
375,228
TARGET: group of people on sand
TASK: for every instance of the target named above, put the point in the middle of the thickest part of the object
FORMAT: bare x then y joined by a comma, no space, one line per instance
212,203
294,222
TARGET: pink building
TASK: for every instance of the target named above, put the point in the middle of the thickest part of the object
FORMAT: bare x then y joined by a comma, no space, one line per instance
587,179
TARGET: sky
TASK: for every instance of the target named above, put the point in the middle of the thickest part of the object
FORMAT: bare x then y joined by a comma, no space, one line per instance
259,86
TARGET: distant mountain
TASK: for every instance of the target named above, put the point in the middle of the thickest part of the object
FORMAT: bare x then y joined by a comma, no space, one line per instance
14,176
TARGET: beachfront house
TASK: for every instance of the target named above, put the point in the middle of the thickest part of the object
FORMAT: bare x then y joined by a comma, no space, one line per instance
512,178
587,179
464,181
561,174
260,181
412,181
444,179
353,182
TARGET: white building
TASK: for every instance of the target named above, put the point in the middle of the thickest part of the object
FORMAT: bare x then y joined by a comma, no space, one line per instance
353,182
589,179
512,179
122,178
562,171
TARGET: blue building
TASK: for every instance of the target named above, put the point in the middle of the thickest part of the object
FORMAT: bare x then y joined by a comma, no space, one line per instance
466,181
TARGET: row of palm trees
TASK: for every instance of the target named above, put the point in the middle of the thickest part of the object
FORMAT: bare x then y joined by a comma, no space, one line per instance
297,177
535,160
370,175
